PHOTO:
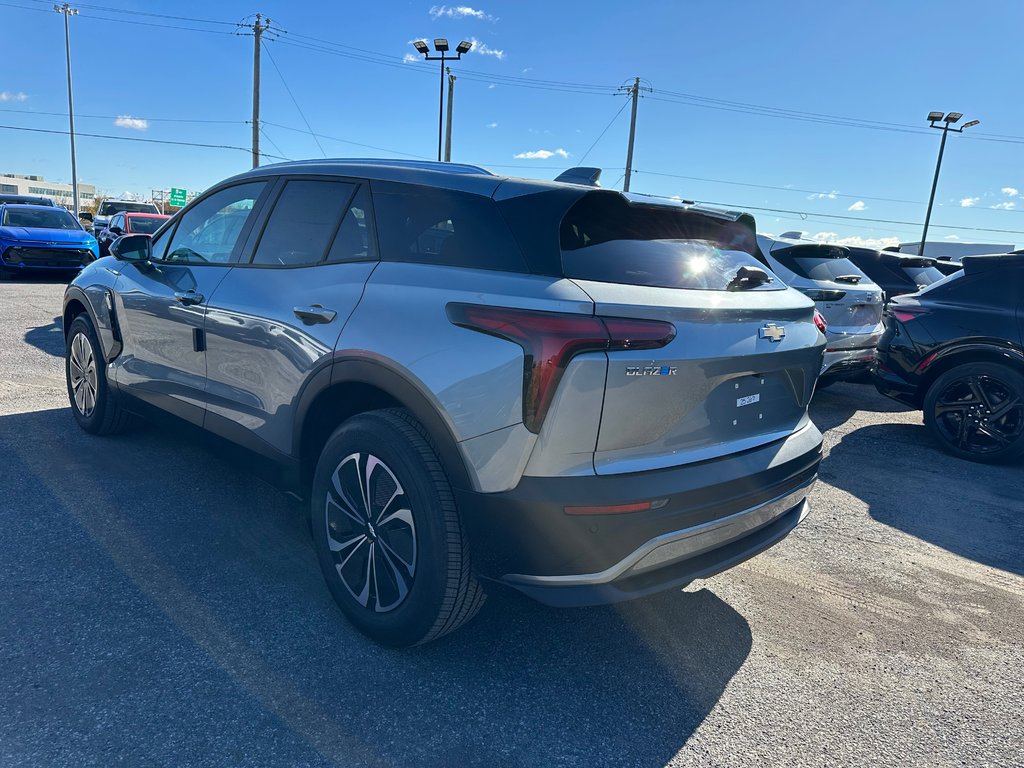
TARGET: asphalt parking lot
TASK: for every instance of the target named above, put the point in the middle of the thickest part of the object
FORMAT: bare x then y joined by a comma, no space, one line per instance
161,605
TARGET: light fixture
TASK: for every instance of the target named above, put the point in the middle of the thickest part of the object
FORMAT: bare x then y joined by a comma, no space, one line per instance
953,117
932,116
440,44
971,124
421,46
463,47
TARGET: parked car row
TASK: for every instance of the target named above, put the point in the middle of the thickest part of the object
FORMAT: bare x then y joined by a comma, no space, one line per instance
478,381
42,237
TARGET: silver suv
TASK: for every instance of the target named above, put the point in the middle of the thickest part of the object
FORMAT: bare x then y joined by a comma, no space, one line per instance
850,303
475,380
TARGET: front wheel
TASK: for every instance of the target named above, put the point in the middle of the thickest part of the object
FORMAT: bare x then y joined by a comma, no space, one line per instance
976,411
94,406
387,533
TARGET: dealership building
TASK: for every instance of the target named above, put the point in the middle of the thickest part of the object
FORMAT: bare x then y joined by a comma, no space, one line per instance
16,184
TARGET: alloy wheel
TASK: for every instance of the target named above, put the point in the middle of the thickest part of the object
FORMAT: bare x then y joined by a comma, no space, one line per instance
980,414
371,532
82,367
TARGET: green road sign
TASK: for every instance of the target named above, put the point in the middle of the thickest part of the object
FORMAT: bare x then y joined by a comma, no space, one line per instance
177,197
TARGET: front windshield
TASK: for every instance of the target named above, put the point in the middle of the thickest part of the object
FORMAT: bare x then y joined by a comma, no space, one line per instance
109,208
145,225
40,218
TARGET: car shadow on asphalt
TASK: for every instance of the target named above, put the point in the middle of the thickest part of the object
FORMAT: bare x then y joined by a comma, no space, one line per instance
49,338
981,519
833,406
176,596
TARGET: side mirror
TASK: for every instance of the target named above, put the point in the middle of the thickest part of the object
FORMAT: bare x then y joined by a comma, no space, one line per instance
135,248
85,216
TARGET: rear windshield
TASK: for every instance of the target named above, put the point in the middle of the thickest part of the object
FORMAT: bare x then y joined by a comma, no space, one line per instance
144,225
923,276
43,218
109,208
605,239
819,262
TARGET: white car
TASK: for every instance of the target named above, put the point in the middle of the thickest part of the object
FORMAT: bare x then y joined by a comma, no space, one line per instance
850,303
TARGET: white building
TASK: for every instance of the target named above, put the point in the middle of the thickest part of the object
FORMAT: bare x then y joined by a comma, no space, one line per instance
16,184
954,249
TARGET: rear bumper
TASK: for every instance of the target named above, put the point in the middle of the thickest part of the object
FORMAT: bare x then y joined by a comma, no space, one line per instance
848,363
715,514
893,385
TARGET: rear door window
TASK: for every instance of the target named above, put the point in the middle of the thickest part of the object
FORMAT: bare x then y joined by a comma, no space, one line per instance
605,239
303,223
355,238
428,225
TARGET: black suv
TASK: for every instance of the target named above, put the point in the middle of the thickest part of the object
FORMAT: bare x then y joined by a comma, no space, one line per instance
896,273
956,350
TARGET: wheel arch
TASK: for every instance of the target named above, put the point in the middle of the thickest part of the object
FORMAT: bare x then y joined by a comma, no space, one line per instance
964,354
349,386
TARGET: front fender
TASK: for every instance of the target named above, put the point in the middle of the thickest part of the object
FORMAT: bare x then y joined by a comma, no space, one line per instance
92,291
982,346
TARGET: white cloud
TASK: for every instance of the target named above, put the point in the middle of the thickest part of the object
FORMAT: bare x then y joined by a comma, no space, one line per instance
854,240
9,96
858,206
490,86
969,202
485,50
135,123
824,195
541,154
409,58
458,12
528,69
1010,191
492,125
1007,206
951,237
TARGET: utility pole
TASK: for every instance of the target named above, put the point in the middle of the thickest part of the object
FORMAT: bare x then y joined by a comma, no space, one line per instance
448,126
68,11
946,125
258,28
634,92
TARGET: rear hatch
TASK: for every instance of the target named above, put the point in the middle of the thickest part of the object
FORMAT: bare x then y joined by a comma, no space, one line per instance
740,369
850,302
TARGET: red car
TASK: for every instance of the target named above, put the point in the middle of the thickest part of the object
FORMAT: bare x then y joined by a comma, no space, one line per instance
129,224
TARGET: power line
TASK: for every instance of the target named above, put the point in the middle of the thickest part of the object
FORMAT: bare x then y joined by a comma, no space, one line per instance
135,138
143,13
294,100
601,135
346,141
272,142
115,117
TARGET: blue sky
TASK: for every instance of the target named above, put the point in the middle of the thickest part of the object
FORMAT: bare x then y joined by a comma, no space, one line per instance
889,62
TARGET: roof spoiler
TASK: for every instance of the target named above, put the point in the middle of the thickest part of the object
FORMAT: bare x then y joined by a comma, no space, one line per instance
588,177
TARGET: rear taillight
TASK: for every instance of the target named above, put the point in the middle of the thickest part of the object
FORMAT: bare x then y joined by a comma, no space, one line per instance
820,322
551,339
904,316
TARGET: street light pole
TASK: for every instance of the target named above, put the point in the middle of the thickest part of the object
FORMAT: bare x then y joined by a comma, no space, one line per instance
441,46
68,11
448,123
946,126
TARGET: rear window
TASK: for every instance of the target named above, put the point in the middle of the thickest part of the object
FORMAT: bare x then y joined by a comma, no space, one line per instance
606,239
923,276
427,225
819,262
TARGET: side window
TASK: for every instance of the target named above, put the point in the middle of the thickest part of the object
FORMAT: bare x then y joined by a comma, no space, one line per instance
441,226
355,240
303,223
208,232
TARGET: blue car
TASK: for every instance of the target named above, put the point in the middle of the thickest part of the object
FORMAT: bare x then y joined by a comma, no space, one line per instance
44,238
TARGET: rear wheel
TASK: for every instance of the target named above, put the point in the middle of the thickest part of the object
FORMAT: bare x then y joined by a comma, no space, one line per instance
387,533
976,411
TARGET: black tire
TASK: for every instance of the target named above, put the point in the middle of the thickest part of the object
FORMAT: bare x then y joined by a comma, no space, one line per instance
101,414
394,460
976,412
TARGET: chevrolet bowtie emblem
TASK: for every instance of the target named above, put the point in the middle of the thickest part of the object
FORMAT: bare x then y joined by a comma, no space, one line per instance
771,331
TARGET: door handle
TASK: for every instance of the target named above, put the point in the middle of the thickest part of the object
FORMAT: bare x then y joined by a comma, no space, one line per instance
188,298
314,314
